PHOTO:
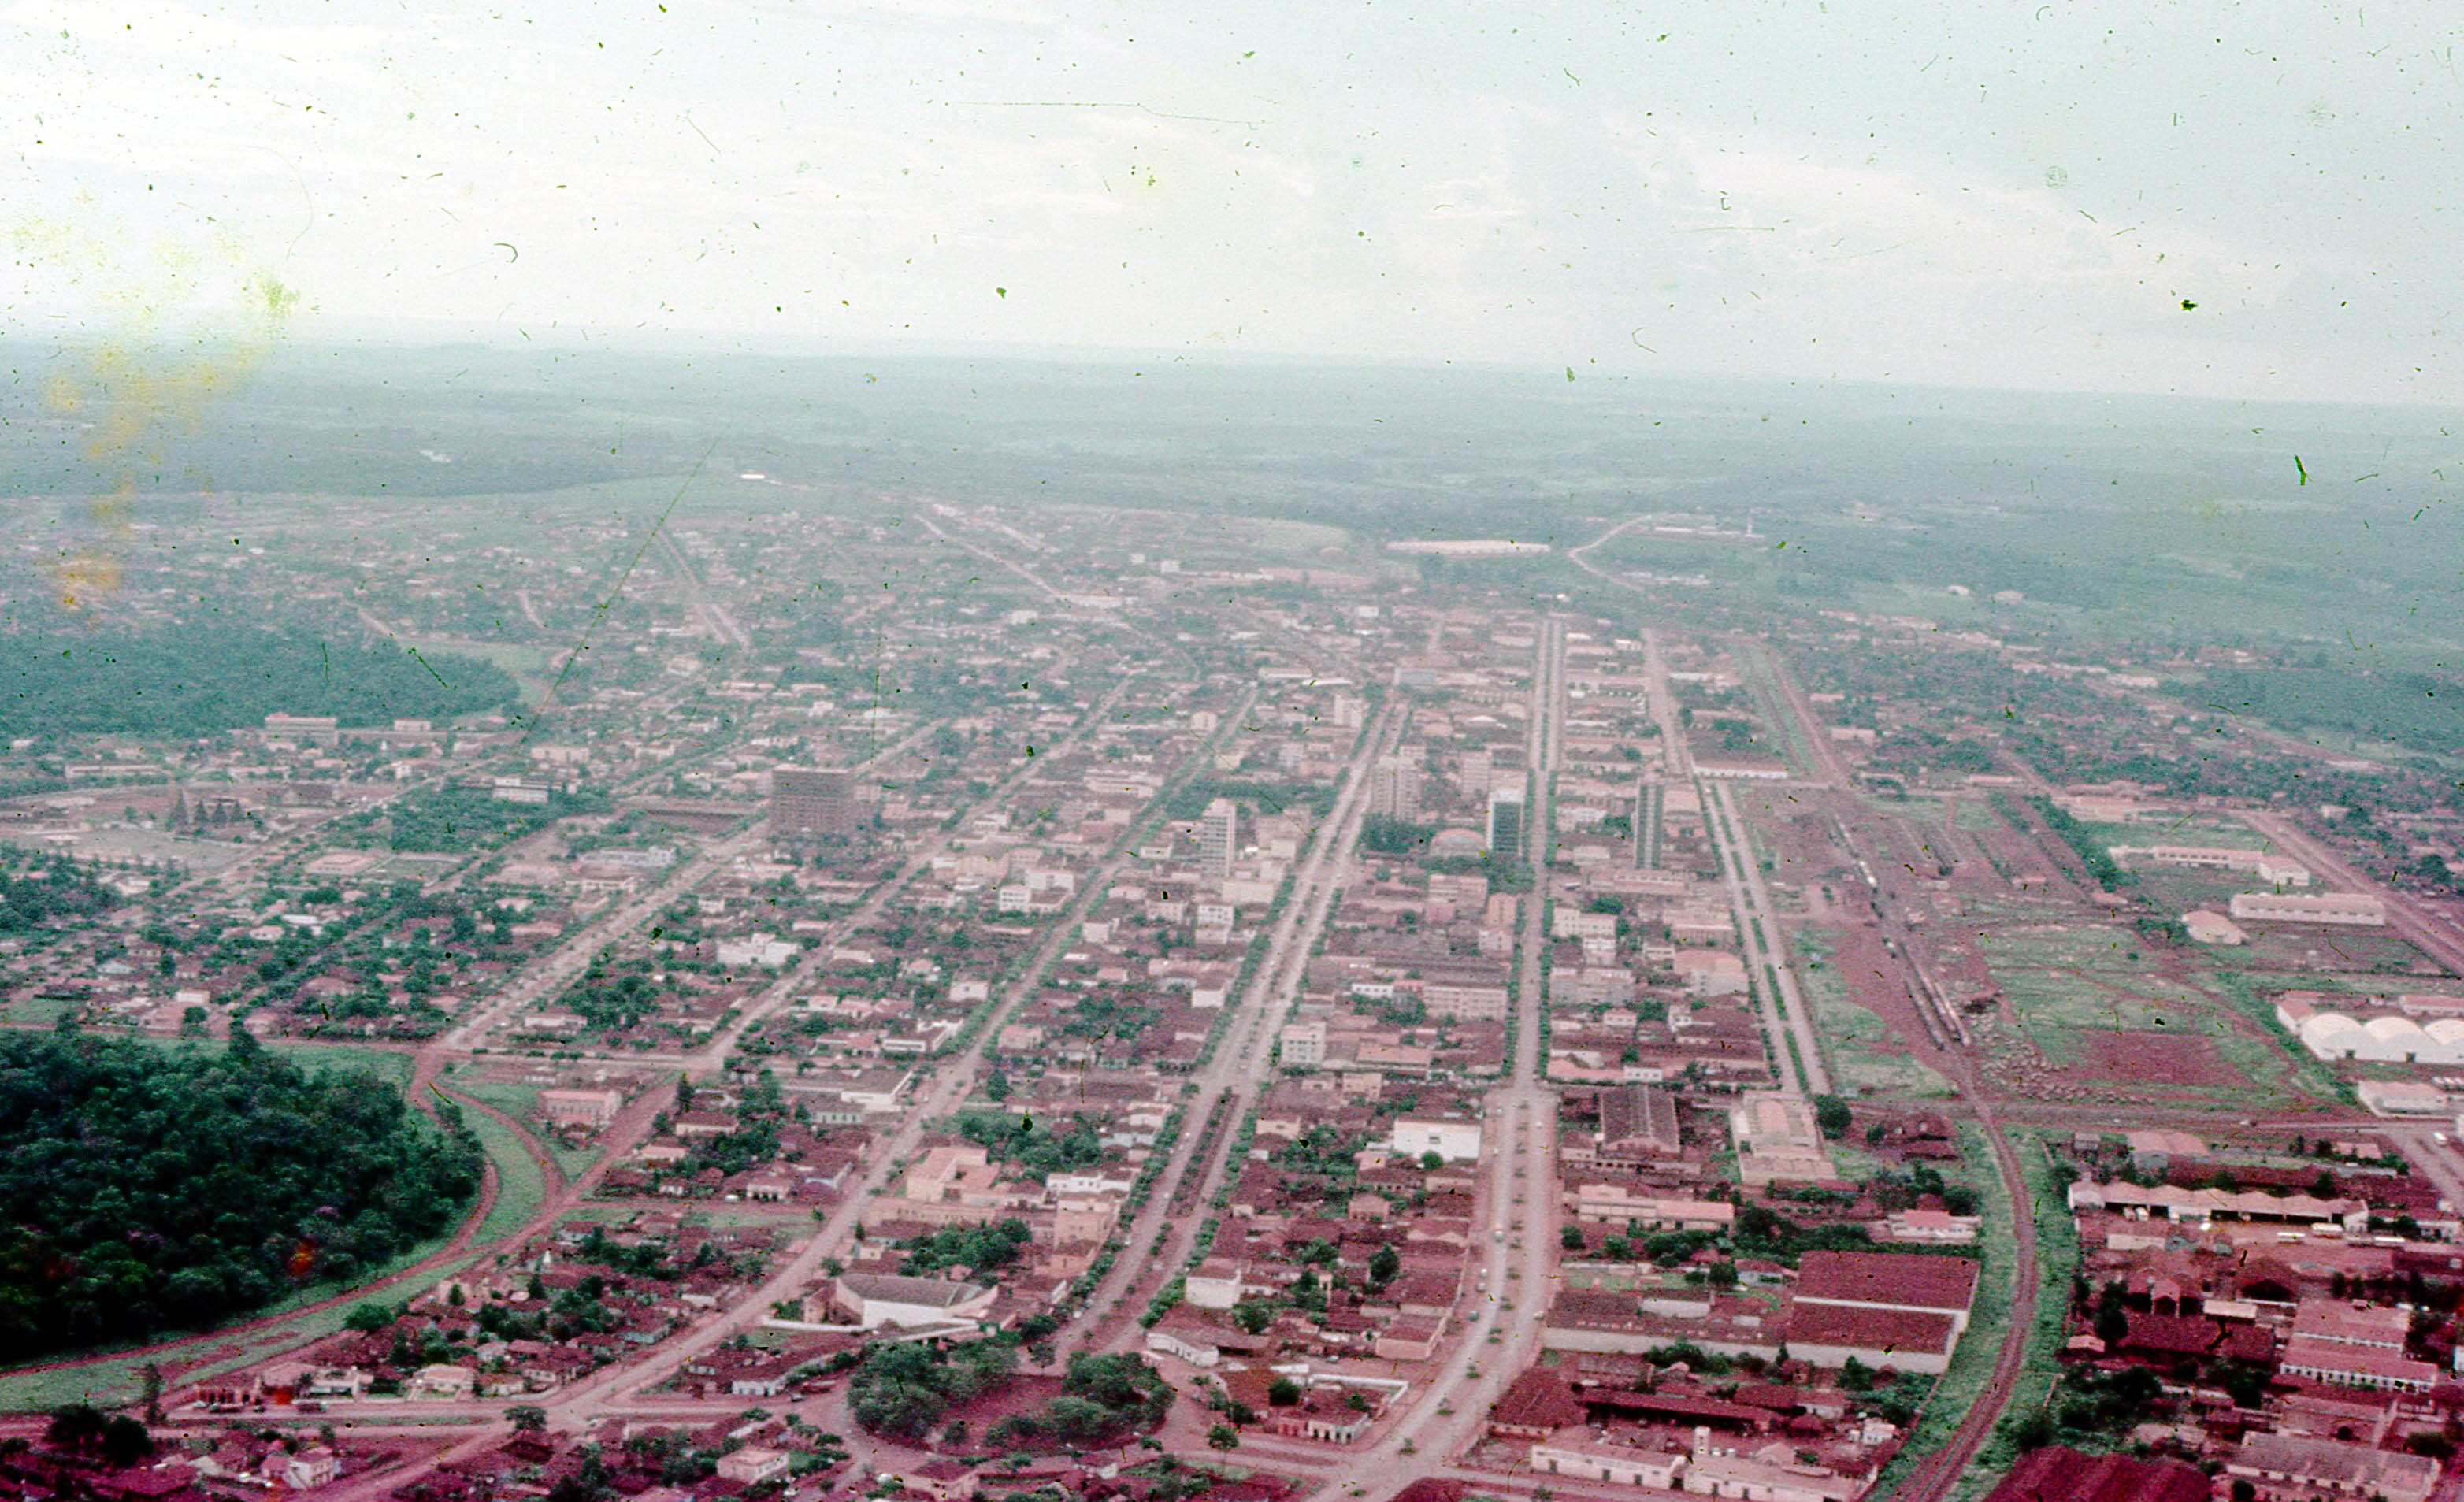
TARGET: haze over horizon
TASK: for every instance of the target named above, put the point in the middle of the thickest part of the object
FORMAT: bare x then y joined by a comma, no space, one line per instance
2253,206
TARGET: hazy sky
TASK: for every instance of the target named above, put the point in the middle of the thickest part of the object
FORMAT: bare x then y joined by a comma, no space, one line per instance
1971,193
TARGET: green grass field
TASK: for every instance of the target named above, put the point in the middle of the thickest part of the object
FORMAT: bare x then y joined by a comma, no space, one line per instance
521,1103
1975,815
1851,1036
520,1185
2188,830
393,1065
2067,986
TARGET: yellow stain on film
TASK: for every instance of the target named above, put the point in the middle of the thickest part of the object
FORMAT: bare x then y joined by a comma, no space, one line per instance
183,328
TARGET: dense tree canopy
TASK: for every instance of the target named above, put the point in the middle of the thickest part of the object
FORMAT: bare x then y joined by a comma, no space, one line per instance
2412,708
50,890
902,1390
469,818
143,1190
204,679
1039,1148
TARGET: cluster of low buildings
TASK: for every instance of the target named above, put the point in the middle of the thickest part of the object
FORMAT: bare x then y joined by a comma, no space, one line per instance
2295,1309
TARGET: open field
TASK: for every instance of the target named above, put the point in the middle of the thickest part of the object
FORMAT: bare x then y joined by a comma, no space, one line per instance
2107,1011
2318,948
521,1103
393,1065
1975,815
1864,1056
520,1185
2207,829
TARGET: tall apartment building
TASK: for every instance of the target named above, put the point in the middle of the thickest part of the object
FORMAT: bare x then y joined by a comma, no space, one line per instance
1505,820
812,803
1649,802
1395,786
1475,771
1219,837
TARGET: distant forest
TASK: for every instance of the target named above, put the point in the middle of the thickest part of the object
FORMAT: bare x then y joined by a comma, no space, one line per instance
199,681
2411,709
145,1191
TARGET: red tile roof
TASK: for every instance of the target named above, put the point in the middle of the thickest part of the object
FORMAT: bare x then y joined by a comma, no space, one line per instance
1884,1330
1906,1280
1538,1403
2058,1474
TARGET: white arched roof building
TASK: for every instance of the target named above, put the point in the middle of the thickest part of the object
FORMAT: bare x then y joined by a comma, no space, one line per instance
2383,1040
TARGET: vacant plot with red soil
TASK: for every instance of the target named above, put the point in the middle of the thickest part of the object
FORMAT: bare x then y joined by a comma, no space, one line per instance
2155,1058
1021,1394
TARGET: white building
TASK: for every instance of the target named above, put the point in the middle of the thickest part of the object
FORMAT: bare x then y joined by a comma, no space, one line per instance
1214,1284
873,1299
1454,1138
2346,909
1593,1460
1395,788
1219,835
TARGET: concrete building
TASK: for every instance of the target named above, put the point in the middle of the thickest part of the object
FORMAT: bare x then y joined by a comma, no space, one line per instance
1638,1125
313,1466
1454,1138
1589,1459
2274,869
1219,837
1650,803
1302,1043
2058,1474
589,1107
1185,1338
809,804
1395,788
2344,909
2211,928
2287,1466
873,1299
1215,1283
2334,1035
2323,1359
1898,1310
1505,820
1776,1139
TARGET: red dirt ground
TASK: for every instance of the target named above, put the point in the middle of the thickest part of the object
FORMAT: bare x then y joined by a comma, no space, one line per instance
2155,1058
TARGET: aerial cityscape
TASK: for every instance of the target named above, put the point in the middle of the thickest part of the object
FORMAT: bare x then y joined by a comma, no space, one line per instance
808,971
1082,751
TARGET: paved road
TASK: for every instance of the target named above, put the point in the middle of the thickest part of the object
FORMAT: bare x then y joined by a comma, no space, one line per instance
1242,1066
2405,915
1518,1193
1940,1471
1786,1018
627,1384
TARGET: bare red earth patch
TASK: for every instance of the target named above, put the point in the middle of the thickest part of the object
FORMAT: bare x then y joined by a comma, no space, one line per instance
2155,1058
